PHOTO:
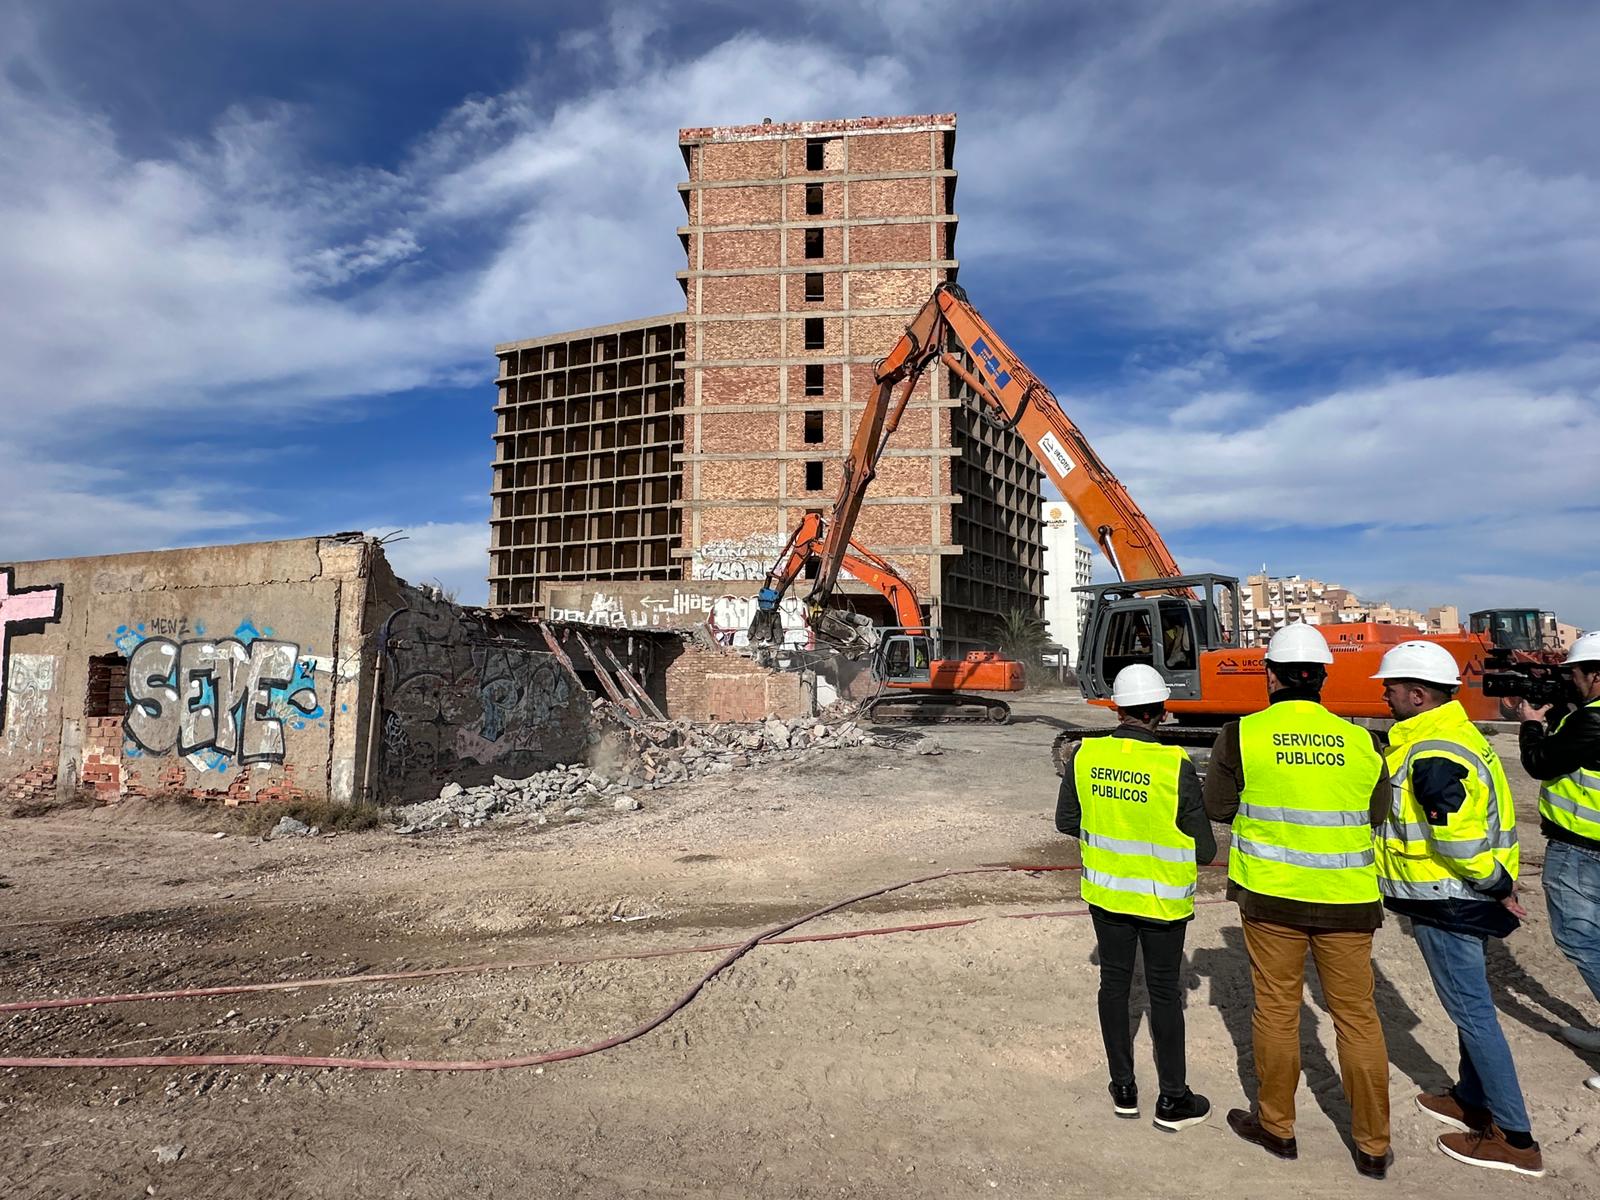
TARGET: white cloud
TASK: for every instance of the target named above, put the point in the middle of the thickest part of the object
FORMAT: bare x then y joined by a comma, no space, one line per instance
453,555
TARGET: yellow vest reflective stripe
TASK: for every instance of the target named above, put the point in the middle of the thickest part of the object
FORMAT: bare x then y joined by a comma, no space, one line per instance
1573,801
1419,861
1303,829
1135,858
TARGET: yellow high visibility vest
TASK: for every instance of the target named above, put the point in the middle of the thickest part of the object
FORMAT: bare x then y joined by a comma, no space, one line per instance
1303,831
1573,801
1419,861
1135,858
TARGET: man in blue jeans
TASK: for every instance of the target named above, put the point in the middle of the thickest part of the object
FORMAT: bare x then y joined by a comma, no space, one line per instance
1447,858
1568,763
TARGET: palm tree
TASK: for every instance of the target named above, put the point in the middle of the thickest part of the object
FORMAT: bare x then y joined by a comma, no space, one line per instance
1022,635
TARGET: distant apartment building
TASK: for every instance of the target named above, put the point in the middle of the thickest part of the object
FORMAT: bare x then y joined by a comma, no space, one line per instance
1067,564
1272,601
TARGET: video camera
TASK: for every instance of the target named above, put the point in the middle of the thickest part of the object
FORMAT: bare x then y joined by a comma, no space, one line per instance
1537,683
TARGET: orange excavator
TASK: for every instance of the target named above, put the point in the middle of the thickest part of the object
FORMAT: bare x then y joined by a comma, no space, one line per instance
917,682
1186,626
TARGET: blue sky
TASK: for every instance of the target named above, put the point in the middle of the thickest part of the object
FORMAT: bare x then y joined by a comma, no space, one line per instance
1318,280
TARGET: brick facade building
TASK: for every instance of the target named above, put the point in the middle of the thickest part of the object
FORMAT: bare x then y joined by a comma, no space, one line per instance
808,246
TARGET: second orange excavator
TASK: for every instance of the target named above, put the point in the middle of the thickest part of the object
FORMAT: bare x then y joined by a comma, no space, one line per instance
916,681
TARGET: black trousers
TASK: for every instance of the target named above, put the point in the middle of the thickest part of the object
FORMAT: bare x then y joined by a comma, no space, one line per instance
1120,938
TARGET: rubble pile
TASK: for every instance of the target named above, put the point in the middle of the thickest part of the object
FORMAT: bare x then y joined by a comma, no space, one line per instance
627,756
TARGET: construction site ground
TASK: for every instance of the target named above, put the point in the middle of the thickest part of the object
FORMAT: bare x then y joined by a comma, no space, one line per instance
956,1062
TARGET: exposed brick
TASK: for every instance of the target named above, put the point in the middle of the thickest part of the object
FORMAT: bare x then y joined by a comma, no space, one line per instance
892,152
795,429
832,156
832,292
741,339
731,433
740,205
737,160
832,247
875,335
894,525
729,249
721,294
832,384
890,243
890,289
794,198
832,337
890,198
738,480
904,477
717,524
745,385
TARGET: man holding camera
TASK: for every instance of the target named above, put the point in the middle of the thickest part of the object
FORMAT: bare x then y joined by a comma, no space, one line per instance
1448,859
1567,760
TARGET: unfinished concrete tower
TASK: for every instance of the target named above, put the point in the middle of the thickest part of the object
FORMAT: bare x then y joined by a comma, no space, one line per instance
586,474
809,245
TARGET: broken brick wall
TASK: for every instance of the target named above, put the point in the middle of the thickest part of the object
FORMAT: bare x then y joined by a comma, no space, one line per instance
712,685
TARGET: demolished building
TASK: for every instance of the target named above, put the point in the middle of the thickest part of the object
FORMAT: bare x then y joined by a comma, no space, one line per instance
307,670
640,464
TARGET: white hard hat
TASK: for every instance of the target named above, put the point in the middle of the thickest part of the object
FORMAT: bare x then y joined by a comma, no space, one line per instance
1138,685
1298,643
1585,650
1427,661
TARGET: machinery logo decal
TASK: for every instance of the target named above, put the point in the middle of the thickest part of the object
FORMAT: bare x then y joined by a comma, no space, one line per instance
991,362
1055,453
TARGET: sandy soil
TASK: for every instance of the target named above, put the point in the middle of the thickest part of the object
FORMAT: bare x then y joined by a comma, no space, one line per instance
962,1062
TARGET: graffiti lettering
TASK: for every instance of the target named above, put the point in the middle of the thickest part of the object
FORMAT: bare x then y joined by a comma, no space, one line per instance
22,610
227,696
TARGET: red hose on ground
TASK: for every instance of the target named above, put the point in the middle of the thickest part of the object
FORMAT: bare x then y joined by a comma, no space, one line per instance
377,1064
736,951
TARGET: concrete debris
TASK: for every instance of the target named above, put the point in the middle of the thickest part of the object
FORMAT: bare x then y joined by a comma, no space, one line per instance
289,827
628,755
169,1154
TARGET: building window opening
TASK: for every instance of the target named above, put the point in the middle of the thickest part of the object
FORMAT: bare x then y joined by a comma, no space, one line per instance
814,243
812,569
108,686
816,153
813,430
813,379
813,199
815,333
814,476
813,285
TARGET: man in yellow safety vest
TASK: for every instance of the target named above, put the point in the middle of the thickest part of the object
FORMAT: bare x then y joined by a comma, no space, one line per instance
1134,806
1303,790
1447,859
1568,763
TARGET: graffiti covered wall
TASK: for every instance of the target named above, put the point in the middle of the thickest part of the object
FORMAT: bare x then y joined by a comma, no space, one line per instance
673,606
466,697
223,672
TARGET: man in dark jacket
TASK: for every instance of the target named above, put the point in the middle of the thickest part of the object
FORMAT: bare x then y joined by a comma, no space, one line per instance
1448,858
1133,803
1568,762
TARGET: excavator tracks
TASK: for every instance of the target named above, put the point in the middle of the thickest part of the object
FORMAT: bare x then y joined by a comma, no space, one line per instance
952,708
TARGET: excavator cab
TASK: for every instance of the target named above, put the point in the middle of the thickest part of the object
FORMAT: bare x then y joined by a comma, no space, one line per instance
1515,629
905,655
1161,623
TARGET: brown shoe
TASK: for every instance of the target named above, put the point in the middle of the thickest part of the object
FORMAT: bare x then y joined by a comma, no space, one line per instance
1489,1148
1248,1126
1452,1112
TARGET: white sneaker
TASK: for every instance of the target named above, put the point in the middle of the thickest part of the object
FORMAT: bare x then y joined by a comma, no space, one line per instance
1583,1039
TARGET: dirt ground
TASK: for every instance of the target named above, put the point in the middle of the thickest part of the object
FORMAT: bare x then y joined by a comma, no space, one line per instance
959,1062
